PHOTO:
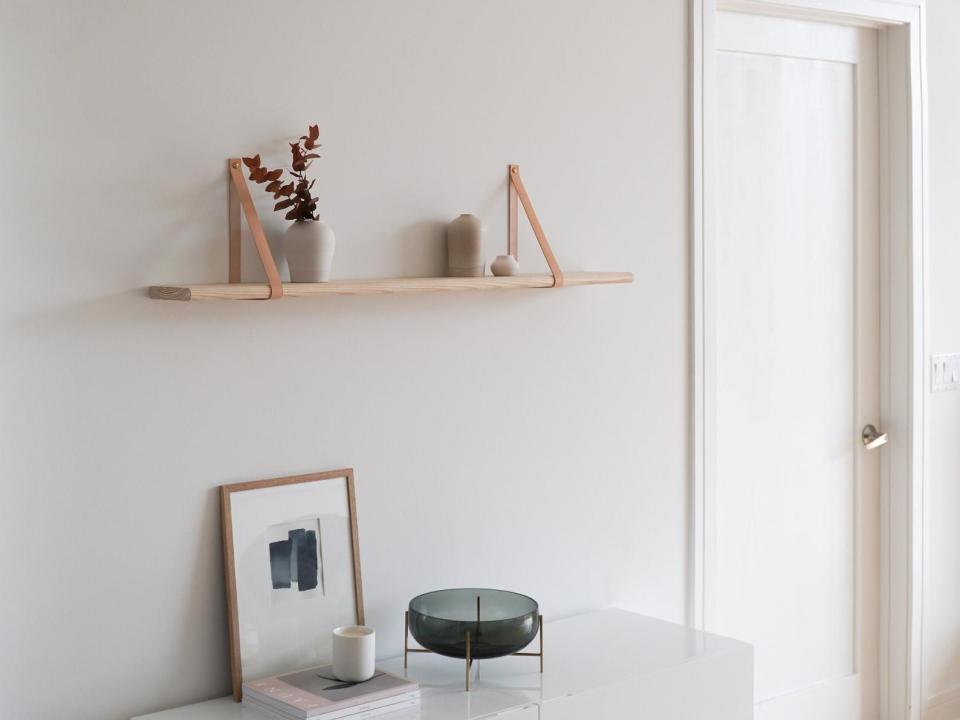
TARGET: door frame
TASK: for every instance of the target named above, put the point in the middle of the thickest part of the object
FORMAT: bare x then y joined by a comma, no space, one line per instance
903,163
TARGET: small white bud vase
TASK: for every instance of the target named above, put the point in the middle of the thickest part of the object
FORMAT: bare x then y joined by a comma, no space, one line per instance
465,247
309,246
354,653
505,265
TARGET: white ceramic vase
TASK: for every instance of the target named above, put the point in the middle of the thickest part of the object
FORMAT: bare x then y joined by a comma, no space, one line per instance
309,246
354,653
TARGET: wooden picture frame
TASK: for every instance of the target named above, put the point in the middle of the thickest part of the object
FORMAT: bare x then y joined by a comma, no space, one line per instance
252,617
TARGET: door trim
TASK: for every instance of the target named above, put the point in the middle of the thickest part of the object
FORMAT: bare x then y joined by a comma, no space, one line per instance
902,57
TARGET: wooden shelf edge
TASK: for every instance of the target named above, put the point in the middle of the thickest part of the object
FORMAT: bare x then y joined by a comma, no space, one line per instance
380,286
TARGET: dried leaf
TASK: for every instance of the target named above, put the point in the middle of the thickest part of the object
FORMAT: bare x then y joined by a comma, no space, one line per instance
295,195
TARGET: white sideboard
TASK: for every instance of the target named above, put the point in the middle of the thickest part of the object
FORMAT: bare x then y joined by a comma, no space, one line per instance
604,665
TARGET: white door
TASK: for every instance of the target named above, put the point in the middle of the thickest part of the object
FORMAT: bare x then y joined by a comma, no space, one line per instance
797,364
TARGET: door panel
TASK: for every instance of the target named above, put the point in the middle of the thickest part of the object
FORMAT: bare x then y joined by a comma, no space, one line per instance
796,332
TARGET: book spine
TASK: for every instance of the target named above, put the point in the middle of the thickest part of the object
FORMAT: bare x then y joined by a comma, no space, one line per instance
278,706
391,708
290,712
356,712
267,711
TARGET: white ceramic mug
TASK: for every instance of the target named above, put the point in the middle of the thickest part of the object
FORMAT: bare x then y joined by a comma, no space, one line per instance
354,653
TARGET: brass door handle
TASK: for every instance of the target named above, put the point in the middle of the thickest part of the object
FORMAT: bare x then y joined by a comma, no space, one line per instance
873,438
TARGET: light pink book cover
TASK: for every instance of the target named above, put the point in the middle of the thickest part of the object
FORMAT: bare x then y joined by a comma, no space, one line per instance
316,690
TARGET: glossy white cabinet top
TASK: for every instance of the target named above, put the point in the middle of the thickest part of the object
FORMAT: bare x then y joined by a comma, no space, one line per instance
582,653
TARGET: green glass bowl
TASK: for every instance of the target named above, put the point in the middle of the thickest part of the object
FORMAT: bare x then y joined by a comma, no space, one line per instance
499,622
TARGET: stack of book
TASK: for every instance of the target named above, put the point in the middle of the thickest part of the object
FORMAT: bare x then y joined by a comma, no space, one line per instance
315,694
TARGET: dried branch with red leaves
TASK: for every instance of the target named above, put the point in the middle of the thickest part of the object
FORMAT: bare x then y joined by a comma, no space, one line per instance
296,194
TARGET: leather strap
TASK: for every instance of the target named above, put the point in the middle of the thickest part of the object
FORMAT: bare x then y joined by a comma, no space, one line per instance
516,185
239,186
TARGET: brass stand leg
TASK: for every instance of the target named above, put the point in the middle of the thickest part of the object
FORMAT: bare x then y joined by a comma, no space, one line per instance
406,632
541,644
536,654
468,661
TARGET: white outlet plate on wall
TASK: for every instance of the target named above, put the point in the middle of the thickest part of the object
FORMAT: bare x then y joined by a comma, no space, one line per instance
945,372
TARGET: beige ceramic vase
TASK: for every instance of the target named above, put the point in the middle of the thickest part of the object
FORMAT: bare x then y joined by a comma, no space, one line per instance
505,265
465,247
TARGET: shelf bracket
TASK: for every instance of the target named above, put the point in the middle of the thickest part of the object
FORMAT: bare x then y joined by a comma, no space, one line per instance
240,198
517,191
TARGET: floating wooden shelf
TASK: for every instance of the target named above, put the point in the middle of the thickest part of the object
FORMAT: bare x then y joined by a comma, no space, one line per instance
274,289
381,286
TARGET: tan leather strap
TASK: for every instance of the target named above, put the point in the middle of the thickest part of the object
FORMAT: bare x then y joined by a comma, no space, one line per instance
512,244
240,192
516,185
233,222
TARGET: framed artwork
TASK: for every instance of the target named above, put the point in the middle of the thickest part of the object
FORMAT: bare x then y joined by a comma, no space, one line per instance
292,562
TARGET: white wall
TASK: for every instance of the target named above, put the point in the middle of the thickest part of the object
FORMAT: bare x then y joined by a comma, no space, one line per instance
941,622
535,441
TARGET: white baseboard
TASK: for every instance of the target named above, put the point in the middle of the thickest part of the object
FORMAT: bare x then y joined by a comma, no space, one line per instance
943,706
